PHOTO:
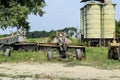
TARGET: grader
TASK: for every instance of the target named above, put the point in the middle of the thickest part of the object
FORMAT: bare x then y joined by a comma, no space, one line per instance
114,49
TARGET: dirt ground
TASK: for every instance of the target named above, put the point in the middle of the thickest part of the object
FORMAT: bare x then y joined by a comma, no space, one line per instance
54,71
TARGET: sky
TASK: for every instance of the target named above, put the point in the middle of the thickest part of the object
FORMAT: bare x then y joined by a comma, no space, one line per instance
58,15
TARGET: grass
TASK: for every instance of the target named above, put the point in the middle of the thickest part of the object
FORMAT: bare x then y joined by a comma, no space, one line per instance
41,40
23,76
99,57
15,76
33,39
76,79
115,77
48,40
95,56
18,56
29,56
42,76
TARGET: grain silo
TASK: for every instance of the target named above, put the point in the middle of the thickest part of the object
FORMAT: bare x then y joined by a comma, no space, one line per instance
108,20
97,22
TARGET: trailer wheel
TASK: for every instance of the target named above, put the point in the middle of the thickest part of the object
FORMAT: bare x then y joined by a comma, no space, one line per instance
7,52
79,54
49,55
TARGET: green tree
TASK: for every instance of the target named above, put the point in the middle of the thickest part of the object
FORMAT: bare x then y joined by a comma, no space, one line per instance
70,30
117,23
41,34
14,13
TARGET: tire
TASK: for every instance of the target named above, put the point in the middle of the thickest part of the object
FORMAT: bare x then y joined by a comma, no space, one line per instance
7,52
79,54
49,55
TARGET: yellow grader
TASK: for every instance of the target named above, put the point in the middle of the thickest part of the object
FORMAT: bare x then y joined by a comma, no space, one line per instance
114,49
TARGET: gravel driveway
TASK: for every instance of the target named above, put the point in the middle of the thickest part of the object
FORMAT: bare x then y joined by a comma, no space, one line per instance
54,71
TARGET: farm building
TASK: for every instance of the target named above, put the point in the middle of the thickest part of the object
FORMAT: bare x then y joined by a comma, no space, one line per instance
97,22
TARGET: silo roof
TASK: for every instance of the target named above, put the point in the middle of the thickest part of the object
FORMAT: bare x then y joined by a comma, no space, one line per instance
91,0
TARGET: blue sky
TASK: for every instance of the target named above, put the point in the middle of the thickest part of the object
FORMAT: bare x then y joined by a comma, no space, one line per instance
59,14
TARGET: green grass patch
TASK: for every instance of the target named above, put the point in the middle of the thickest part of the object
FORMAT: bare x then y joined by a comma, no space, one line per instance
22,56
98,56
95,56
33,39
28,56
10,76
43,76
40,40
77,79
69,79
4,75
75,41
37,76
21,76
115,77
15,76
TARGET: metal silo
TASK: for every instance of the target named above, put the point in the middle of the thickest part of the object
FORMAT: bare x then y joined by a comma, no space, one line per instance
108,20
97,22
82,22
107,1
93,19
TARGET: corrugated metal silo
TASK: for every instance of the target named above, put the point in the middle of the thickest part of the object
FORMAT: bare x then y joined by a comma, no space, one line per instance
108,20
98,22
93,19
81,22
107,1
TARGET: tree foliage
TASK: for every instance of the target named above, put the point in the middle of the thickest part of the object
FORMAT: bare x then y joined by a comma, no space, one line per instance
41,34
117,23
14,13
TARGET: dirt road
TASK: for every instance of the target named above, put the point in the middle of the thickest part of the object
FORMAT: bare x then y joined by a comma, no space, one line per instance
54,71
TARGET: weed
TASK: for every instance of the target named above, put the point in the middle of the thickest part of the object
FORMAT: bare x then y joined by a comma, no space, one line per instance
115,77
24,76
37,76
95,56
3,75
